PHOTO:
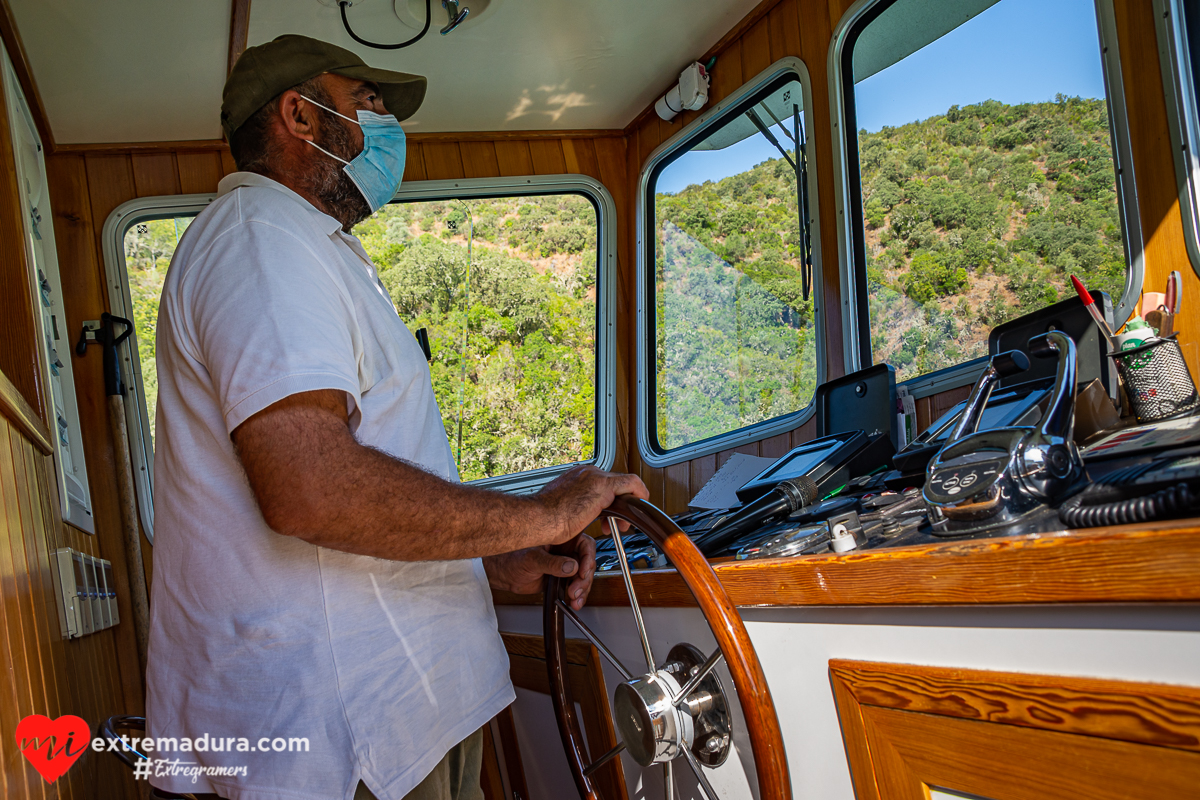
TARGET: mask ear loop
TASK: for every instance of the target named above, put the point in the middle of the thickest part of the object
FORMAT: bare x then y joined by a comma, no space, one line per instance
335,113
331,111
326,152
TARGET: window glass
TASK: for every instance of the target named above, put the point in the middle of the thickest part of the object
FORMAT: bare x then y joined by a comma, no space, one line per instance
734,334
148,247
986,171
506,290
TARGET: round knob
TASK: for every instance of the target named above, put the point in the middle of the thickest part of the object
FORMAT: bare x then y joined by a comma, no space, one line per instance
1058,461
1011,363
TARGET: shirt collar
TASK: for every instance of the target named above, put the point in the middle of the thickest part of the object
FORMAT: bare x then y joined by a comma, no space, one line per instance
234,180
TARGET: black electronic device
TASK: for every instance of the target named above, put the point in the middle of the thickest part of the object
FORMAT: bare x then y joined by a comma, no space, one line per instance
784,497
1019,406
861,401
823,460
1072,318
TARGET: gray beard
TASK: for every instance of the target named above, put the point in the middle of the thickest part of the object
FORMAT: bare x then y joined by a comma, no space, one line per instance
329,182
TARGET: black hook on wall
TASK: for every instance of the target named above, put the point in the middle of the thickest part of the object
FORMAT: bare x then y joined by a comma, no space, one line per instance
105,335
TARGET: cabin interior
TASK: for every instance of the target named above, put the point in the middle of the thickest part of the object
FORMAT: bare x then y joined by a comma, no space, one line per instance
1038,663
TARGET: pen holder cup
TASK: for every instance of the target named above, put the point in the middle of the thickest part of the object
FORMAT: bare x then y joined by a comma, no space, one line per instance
1157,380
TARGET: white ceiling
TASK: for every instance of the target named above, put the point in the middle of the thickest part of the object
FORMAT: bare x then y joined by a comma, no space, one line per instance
152,70
127,70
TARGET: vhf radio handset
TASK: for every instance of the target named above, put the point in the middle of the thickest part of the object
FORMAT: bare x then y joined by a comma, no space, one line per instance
987,480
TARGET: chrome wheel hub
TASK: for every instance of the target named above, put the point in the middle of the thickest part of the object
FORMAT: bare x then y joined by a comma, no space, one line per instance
656,724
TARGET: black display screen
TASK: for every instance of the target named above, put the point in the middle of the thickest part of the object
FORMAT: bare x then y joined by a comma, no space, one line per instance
815,459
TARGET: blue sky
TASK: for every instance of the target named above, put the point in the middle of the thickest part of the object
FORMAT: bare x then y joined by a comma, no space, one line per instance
1017,51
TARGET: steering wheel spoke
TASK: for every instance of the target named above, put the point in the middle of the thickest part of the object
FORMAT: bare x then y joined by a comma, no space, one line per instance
594,639
700,776
696,679
628,576
604,759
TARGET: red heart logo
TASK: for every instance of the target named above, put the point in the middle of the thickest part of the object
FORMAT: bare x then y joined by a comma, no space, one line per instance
52,745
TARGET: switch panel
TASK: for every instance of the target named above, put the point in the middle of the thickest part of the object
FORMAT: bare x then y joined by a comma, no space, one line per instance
87,597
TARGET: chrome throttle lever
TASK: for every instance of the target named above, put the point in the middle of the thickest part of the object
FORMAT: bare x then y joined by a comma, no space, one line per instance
984,482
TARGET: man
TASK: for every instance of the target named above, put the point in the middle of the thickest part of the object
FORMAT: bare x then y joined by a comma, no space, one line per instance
320,573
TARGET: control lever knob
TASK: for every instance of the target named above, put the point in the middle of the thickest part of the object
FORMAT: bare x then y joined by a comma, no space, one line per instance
1011,363
1043,346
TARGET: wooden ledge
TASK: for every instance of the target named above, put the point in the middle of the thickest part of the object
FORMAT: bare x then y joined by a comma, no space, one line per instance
1152,562
14,406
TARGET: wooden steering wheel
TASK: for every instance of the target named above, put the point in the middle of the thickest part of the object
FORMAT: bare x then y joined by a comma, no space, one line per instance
676,708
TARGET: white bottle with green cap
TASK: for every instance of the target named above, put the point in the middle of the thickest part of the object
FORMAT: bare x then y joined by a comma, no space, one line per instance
1137,332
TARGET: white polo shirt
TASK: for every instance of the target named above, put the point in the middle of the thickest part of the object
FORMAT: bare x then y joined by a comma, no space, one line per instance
382,666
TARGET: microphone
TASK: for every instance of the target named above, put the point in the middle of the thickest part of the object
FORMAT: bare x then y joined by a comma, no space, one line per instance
786,497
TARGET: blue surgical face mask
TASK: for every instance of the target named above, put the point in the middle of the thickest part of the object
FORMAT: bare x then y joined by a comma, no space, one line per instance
379,168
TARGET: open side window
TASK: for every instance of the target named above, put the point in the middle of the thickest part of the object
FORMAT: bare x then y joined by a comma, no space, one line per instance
730,347
512,281
985,160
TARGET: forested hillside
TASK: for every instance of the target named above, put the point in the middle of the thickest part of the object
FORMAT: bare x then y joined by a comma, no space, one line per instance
735,338
972,218
527,349
980,215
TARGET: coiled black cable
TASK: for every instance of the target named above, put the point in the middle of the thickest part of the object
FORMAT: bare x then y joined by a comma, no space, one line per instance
1166,502
428,17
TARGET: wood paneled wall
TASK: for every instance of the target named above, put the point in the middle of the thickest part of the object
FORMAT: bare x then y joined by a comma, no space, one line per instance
42,672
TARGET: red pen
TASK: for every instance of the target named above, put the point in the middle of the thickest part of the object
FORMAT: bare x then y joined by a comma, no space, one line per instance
1090,304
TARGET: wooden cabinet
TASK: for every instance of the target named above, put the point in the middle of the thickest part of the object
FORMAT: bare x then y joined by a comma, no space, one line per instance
910,730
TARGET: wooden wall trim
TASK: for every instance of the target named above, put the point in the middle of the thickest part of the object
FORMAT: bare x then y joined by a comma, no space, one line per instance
22,346
211,145
115,148
509,136
20,413
1152,562
239,30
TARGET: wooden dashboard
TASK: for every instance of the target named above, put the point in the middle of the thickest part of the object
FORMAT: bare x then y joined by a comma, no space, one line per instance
1150,562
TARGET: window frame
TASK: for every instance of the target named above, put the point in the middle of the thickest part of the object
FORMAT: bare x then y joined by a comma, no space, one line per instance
651,452
856,322
120,303
1182,96
145,209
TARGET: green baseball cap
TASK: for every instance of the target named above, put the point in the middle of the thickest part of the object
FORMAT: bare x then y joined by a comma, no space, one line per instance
266,71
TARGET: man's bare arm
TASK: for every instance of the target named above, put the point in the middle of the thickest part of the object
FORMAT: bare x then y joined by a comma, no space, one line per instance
314,481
